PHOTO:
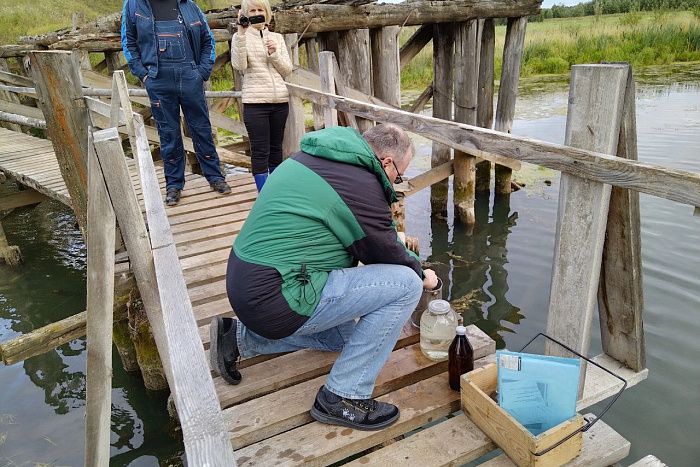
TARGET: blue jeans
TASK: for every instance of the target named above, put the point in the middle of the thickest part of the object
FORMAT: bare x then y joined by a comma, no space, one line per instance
380,297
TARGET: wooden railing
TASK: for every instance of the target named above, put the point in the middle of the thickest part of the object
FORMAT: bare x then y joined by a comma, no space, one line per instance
162,286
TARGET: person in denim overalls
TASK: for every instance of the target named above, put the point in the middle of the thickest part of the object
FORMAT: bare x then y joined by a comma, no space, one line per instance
169,46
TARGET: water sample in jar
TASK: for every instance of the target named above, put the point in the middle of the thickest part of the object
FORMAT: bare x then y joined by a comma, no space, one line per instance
437,329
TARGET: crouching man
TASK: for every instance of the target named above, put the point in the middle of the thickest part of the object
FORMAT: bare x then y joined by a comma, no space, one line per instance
291,278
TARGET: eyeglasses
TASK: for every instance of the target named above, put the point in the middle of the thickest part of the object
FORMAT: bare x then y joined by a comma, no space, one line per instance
399,178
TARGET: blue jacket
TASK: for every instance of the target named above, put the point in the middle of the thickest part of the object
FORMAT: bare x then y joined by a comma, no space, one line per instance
140,45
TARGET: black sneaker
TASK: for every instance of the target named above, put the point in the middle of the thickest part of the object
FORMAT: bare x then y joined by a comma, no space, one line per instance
360,414
223,349
172,196
220,186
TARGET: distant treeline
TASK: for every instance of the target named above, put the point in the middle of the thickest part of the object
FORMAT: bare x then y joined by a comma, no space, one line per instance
607,7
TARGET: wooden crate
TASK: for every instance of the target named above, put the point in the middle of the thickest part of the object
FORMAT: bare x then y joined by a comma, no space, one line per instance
507,433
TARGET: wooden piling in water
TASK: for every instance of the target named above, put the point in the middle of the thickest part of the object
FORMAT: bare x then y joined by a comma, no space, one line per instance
484,108
443,67
385,64
355,64
465,100
508,90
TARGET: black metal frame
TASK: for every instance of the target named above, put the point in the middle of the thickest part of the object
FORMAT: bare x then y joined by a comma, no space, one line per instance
588,423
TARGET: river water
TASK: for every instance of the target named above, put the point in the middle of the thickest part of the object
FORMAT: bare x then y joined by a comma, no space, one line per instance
498,276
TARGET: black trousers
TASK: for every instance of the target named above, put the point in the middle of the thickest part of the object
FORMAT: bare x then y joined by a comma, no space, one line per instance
265,124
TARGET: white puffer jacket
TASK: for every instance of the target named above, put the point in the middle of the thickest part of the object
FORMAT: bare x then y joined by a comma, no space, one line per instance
263,80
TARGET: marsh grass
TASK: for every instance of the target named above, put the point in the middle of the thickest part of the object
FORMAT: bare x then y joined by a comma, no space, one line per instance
553,45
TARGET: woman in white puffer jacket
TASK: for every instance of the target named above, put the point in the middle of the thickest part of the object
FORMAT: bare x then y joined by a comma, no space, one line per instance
262,57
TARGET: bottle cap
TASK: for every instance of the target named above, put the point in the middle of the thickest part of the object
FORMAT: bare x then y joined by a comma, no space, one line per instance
439,307
461,331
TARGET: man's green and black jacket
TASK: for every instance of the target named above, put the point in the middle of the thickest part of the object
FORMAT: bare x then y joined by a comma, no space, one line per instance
323,209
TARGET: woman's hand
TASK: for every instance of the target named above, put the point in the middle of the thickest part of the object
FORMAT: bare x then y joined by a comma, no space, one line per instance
241,29
271,46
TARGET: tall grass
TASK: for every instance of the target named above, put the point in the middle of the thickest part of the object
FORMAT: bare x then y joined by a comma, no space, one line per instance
554,45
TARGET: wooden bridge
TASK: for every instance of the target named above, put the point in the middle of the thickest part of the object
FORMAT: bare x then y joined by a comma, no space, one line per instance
178,255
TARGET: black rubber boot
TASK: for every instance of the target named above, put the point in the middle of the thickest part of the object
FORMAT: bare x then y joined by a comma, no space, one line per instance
360,414
223,349
172,196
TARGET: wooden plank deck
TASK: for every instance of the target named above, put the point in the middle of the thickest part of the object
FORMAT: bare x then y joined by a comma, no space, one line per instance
267,413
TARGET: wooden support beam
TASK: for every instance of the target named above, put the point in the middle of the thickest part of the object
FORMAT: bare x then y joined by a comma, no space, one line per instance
21,198
22,120
656,180
14,107
60,96
11,254
465,100
8,96
593,122
324,17
114,61
508,90
294,129
415,44
385,64
443,73
312,52
355,64
620,293
484,108
327,72
13,79
100,302
422,99
20,50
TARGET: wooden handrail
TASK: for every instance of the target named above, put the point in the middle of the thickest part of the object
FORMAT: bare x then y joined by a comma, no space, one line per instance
673,184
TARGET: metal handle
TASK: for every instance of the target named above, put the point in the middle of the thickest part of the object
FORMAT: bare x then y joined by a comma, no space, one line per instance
589,423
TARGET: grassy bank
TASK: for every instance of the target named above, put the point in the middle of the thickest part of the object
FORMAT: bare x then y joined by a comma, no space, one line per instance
29,17
553,45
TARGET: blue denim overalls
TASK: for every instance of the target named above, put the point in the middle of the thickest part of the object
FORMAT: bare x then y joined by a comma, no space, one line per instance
177,84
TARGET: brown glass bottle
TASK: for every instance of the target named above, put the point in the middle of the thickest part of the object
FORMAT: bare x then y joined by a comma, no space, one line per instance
460,357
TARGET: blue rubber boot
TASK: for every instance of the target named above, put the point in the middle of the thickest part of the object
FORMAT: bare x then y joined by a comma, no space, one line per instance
260,180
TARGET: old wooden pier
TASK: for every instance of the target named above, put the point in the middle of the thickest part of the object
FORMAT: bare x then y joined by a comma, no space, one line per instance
177,255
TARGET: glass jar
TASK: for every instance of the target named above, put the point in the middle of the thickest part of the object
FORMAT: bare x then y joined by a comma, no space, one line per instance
437,329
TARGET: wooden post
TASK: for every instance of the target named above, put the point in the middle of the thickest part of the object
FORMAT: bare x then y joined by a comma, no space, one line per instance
355,64
312,61
11,254
593,122
385,64
328,42
620,293
113,61
465,99
443,67
9,97
60,97
415,44
100,300
327,75
508,90
484,108
294,130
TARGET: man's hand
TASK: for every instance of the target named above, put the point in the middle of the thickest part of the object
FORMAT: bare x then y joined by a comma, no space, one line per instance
430,280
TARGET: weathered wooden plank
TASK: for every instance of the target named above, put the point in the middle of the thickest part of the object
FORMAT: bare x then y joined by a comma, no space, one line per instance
385,64
318,444
443,72
422,100
355,65
508,89
5,76
673,184
100,301
14,107
13,79
21,198
593,122
294,130
465,101
252,422
327,74
59,91
324,17
415,44
620,292
649,461
14,120
7,51
484,108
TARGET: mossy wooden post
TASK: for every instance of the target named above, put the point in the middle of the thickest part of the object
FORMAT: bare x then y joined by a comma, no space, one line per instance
443,68
355,64
11,254
484,108
125,294
465,99
294,130
620,292
596,100
57,79
100,302
508,90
